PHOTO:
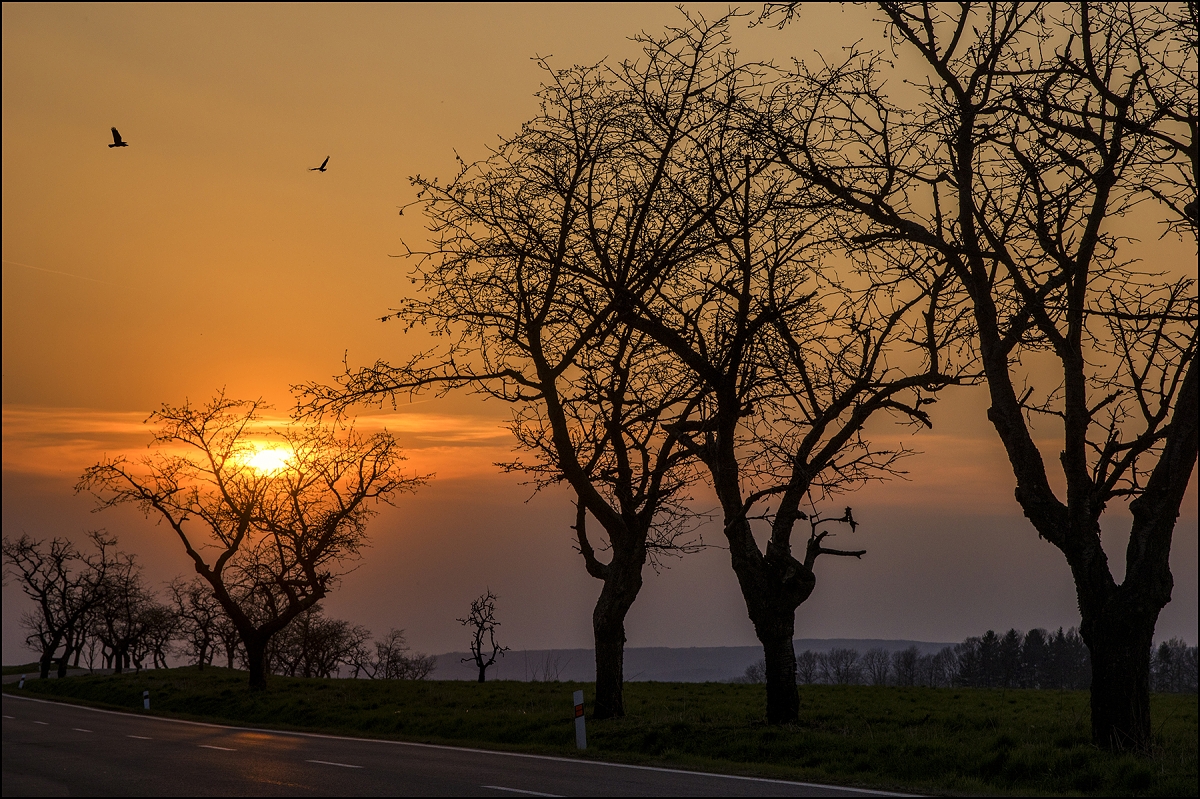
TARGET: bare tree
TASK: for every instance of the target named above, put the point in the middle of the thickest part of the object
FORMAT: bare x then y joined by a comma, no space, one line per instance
1034,128
841,666
482,623
269,540
904,666
877,663
314,645
790,359
808,666
123,620
66,586
594,400
394,660
199,613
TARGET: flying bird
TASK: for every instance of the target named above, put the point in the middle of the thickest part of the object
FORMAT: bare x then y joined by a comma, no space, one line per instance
117,141
320,168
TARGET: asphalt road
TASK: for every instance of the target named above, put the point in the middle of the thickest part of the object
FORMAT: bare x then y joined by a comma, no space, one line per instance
52,749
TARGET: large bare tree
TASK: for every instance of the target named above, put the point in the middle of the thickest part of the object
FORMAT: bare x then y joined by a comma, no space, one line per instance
269,535
1037,137
594,400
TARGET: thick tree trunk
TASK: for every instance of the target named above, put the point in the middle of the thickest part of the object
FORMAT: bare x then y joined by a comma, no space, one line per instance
47,659
482,672
256,661
1119,639
783,698
608,626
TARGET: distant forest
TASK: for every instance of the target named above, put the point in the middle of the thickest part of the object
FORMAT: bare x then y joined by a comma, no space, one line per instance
1036,659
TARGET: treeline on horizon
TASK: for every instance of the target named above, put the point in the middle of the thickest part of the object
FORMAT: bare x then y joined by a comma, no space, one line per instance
1038,659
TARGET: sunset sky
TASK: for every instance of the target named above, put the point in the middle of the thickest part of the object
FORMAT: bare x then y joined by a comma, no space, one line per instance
206,255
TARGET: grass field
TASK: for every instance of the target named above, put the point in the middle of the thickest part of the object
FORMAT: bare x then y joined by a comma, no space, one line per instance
28,668
968,741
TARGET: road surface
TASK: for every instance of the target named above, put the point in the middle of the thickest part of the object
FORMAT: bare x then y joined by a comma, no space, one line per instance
53,749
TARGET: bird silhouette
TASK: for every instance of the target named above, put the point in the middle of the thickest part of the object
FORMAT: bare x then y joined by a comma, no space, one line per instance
117,141
320,168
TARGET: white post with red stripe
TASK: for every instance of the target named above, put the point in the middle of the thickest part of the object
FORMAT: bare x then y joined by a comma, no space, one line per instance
580,732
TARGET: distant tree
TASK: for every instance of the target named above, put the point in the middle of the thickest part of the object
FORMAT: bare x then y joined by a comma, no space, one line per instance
270,540
1173,667
808,667
841,666
756,673
65,585
161,627
1010,659
1033,659
989,660
199,614
314,645
482,623
904,666
970,669
877,663
394,660
1032,130
123,620
943,668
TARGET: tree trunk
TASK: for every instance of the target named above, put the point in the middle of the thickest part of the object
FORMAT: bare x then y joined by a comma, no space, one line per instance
256,661
608,627
783,698
1119,639
482,672
47,659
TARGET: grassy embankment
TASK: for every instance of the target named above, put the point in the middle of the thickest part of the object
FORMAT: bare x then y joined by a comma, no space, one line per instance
916,739
28,668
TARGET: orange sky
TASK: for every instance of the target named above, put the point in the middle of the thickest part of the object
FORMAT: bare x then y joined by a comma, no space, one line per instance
206,255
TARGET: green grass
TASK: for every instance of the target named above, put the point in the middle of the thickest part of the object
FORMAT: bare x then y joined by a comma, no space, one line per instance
28,668
916,739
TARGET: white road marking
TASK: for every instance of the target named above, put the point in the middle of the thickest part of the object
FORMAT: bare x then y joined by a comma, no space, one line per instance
219,748
80,729
601,764
10,717
331,763
518,790
43,723
140,737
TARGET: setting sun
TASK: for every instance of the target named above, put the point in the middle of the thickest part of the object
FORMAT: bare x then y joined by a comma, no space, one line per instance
269,461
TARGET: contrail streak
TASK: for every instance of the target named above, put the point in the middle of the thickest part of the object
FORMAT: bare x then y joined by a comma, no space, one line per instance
56,272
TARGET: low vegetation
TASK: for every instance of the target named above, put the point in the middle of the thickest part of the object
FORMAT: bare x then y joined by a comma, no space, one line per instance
973,741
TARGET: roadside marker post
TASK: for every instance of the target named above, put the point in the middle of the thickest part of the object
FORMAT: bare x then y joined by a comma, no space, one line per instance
580,732
21,684
146,700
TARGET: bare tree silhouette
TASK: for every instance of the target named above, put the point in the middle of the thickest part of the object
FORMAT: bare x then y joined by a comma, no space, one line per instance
1034,128
482,623
279,536
66,586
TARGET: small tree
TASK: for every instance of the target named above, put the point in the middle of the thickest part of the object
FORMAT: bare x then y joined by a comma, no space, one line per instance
395,660
199,613
66,586
877,663
482,622
268,533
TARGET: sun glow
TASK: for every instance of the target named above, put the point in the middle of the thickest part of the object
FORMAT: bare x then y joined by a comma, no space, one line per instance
269,461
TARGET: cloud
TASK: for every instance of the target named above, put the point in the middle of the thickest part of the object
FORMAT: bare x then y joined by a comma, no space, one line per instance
64,441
